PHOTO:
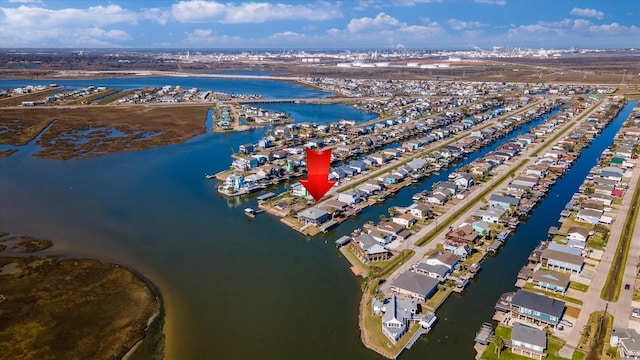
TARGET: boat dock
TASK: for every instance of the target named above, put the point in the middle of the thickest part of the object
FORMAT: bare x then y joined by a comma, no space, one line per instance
484,335
250,212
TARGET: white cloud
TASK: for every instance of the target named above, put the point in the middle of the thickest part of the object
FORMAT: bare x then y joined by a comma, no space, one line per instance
194,11
614,28
32,17
491,2
381,21
586,12
110,34
459,25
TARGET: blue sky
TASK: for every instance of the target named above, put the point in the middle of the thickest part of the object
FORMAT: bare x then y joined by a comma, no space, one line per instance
347,24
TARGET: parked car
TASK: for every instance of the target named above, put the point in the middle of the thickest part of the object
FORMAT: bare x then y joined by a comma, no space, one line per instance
635,313
566,322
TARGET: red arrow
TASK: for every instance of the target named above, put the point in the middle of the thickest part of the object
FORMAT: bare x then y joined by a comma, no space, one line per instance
317,182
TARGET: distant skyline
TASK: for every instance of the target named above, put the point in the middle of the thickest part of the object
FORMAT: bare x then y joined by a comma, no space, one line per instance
350,24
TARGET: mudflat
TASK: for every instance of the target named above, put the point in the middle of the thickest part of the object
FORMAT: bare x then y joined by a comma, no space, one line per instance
54,308
86,131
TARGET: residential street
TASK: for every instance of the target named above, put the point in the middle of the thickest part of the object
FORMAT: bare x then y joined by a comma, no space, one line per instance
621,310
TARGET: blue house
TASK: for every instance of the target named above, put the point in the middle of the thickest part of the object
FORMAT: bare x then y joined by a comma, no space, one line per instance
504,202
537,309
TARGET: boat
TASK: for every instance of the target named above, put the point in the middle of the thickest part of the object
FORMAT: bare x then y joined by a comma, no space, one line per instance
209,176
250,212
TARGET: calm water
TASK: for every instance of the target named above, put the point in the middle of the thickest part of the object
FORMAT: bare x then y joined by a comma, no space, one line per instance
235,288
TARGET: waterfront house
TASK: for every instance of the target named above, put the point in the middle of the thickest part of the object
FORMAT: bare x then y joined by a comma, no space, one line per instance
537,309
491,215
578,234
603,198
627,341
526,181
438,272
443,258
314,216
350,197
564,248
457,249
562,261
612,173
481,227
418,164
246,148
420,211
464,180
592,205
448,185
298,190
367,249
504,202
436,199
415,286
397,314
528,341
551,281
590,216
406,220
464,234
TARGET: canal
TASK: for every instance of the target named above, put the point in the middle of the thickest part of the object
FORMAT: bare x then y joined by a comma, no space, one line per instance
462,314
236,288
403,197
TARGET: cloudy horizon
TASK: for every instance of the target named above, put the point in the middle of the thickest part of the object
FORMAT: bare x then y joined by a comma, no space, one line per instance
363,24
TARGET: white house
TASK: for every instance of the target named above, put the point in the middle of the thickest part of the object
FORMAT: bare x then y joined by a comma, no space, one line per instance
528,341
406,220
578,234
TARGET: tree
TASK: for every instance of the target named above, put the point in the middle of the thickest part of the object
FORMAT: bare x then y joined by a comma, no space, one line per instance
498,342
612,352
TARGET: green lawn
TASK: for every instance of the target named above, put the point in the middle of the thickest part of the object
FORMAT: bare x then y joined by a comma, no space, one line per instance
530,287
376,338
578,286
438,298
554,345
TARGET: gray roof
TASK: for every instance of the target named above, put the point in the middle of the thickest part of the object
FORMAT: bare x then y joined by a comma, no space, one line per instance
529,335
504,199
629,337
541,303
580,230
415,283
440,270
565,249
313,213
551,277
562,256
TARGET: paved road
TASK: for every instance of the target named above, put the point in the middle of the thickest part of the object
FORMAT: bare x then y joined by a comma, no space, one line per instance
420,251
621,309
429,147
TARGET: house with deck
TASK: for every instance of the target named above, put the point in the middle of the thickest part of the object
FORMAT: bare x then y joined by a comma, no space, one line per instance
504,202
368,249
537,309
415,286
561,261
550,280
528,341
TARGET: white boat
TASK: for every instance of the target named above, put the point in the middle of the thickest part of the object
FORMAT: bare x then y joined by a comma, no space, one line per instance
207,176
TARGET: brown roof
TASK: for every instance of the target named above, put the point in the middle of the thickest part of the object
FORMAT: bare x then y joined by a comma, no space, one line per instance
562,256
580,230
